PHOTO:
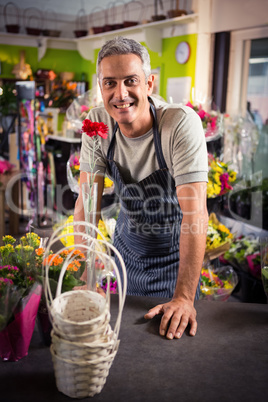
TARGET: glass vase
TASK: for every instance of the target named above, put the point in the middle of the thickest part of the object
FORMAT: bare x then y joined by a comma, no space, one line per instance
90,197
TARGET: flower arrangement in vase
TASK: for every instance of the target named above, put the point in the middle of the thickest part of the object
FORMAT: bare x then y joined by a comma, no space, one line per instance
217,283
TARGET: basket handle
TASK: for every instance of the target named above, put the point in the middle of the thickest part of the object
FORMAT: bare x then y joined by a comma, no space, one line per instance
54,18
91,247
81,15
118,3
58,235
11,4
126,9
95,10
33,12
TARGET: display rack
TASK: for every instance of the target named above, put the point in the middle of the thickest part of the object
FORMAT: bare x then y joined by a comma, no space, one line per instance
32,156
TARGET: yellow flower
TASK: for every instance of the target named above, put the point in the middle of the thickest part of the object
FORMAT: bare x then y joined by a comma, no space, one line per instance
108,182
216,167
217,179
9,239
8,248
232,176
213,189
28,249
103,230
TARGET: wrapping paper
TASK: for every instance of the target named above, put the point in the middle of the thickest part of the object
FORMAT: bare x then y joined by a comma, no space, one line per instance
16,337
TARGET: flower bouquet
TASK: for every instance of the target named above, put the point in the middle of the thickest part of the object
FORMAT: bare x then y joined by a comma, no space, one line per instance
220,177
212,122
217,283
20,293
218,239
244,254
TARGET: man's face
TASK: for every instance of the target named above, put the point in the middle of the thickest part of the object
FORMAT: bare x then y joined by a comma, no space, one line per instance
124,92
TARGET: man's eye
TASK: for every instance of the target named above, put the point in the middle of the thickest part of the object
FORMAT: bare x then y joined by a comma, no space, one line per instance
108,83
131,81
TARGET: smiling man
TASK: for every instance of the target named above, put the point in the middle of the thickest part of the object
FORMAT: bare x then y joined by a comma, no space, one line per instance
156,155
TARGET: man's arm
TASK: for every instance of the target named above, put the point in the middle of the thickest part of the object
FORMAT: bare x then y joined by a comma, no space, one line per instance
180,311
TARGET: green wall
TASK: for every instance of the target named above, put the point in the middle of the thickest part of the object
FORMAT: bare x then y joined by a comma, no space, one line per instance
60,60
57,60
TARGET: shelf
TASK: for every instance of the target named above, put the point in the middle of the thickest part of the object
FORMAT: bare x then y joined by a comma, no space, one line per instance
152,34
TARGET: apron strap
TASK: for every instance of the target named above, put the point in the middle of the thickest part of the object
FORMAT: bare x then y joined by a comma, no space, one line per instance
110,153
157,142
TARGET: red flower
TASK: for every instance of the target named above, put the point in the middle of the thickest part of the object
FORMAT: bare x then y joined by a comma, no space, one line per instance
213,122
93,129
202,114
189,104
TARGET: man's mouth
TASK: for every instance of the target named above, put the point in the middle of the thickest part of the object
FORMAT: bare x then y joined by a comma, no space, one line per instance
124,106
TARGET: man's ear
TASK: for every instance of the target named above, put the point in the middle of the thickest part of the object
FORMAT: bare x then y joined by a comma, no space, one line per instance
150,84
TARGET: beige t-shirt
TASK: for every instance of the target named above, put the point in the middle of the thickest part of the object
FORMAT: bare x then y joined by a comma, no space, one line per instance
182,139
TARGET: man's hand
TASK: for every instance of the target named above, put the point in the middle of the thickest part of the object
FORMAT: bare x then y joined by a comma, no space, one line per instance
177,314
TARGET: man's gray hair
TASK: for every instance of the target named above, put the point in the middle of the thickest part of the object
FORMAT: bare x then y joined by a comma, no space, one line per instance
121,45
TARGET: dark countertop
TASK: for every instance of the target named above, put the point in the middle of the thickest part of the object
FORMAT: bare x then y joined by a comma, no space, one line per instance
227,360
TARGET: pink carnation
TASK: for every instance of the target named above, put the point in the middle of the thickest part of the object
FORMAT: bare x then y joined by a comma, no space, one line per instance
5,166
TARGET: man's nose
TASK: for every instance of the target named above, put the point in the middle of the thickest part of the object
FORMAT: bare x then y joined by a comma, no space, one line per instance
121,91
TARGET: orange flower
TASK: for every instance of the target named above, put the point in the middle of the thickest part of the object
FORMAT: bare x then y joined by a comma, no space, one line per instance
78,254
40,251
57,261
48,259
74,266
64,253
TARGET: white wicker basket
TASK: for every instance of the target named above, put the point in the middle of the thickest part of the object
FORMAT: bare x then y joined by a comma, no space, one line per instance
83,342
103,334
79,351
79,312
81,379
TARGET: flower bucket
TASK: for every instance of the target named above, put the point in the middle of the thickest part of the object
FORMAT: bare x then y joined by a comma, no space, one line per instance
83,343
15,338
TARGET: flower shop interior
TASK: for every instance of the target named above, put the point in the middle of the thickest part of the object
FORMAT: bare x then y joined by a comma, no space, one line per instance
225,74
211,55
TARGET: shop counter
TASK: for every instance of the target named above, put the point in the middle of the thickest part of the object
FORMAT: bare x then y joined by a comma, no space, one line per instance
227,360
